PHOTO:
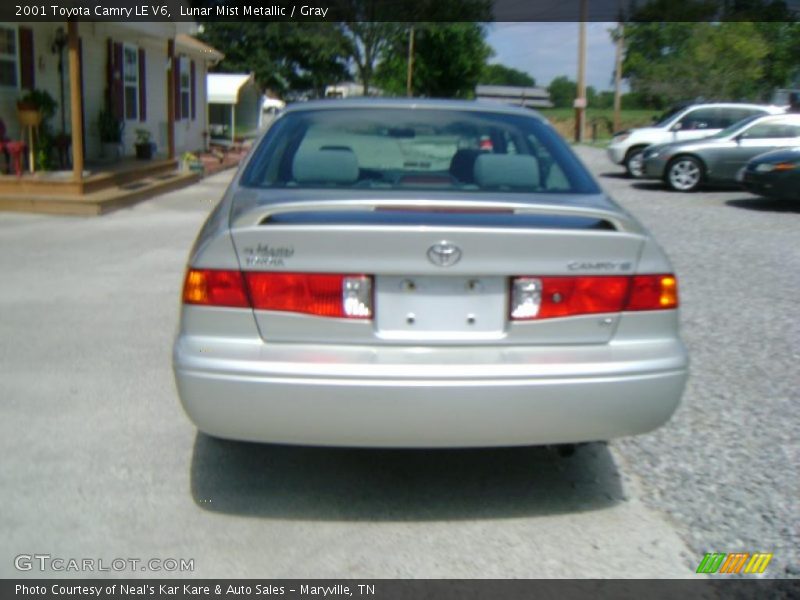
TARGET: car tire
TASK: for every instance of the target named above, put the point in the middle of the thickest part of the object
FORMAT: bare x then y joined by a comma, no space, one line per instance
634,162
684,174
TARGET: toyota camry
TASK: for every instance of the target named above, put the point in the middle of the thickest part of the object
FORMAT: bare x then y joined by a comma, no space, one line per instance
405,273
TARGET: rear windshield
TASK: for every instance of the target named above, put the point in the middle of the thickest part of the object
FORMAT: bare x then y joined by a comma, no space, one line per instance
415,149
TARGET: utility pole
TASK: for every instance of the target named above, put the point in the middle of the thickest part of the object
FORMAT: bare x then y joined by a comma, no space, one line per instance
618,77
580,100
410,73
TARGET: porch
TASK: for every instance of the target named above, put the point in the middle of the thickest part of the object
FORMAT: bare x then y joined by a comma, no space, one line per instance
99,189
152,93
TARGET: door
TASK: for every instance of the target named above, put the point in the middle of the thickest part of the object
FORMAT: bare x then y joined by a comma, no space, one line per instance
697,123
758,139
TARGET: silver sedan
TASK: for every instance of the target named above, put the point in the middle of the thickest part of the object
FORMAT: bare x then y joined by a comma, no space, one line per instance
685,166
406,273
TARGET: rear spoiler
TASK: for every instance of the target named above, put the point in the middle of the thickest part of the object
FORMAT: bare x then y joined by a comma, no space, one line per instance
263,214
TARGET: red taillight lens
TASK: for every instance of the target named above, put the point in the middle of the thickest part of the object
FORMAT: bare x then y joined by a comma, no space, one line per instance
653,292
344,296
571,296
565,296
215,288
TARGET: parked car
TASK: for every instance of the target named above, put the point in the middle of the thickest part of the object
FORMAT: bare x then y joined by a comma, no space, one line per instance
375,275
677,125
685,166
774,174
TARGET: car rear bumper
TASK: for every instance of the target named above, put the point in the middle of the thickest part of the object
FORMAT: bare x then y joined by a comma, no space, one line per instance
428,397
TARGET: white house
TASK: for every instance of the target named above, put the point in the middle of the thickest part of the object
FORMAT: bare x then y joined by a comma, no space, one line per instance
151,76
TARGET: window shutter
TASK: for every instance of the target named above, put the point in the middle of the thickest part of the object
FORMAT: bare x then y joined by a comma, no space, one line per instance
192,84
109,73
27,60
176,81
142,87
118,94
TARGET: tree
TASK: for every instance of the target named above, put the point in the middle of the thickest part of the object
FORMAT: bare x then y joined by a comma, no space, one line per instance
368,41
745,49
285,57
668,62
502,75
449,59
562,91
377,30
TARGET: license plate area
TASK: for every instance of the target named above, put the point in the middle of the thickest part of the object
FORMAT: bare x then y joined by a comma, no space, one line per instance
440,308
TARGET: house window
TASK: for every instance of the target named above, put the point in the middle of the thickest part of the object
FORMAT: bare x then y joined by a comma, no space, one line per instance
130,78
8,57
185,87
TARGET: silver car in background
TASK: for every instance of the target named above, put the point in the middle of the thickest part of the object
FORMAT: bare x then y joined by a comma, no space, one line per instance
685,166
405,273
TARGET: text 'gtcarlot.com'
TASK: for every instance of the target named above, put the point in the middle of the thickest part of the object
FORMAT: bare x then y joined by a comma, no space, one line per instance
46,562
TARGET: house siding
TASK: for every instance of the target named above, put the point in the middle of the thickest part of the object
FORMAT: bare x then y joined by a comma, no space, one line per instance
188,131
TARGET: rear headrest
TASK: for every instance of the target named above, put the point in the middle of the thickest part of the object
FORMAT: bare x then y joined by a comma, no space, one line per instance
326,165
507,170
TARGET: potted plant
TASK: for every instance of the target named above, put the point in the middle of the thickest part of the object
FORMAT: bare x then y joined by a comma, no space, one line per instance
110,130
192,163
34,107
145,148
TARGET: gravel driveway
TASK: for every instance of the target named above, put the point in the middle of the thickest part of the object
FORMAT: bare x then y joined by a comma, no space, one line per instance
725,469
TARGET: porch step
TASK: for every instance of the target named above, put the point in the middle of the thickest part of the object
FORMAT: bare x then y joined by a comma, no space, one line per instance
98,177
101,201
135,172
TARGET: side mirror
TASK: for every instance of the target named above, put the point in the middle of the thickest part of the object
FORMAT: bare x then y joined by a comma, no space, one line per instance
677,127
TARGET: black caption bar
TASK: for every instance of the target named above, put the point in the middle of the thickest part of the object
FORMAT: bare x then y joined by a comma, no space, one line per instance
381,589
399,10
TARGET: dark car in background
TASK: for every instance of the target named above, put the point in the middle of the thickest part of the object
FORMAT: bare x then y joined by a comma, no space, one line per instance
774,174
685,166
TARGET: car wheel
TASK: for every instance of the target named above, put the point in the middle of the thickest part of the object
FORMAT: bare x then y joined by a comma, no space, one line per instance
634,162
684,174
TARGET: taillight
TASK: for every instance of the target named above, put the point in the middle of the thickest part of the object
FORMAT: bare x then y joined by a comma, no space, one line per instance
344,296
215,288
653,292
550,297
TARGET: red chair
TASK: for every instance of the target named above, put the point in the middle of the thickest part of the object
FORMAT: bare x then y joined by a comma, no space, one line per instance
3,142
16,150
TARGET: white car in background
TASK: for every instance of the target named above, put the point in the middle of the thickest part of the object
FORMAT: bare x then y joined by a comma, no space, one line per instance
677,125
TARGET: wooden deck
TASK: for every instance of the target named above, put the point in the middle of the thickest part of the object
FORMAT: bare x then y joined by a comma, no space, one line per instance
104,187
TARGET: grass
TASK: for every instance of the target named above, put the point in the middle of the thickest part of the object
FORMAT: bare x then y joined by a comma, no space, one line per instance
563,119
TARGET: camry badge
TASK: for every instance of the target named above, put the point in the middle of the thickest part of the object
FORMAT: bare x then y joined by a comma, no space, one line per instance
444,254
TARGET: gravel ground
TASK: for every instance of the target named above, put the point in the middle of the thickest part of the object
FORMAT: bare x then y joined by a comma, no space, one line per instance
725,469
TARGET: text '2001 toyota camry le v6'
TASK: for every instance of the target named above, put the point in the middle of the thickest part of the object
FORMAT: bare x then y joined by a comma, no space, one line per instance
405,273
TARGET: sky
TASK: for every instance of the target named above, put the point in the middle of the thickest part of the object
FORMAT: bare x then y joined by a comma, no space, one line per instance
547,50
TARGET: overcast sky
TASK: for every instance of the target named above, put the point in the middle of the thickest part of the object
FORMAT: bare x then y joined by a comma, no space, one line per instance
547,50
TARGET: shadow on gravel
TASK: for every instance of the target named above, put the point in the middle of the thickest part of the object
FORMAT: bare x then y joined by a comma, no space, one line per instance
614,175
294,482
765,205
650,186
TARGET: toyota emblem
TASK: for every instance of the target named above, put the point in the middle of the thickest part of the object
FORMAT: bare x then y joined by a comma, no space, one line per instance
444,254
